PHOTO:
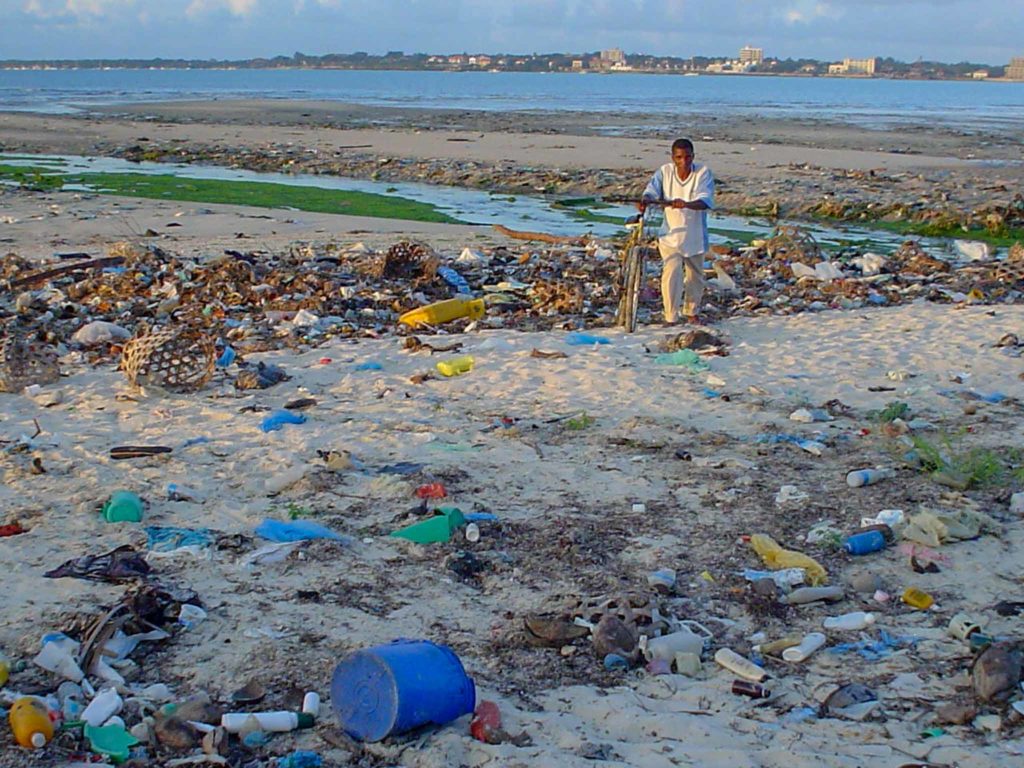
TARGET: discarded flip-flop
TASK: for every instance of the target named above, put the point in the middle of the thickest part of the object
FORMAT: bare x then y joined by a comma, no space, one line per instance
119,452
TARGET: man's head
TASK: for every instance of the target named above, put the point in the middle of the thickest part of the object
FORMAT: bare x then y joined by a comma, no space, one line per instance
682,156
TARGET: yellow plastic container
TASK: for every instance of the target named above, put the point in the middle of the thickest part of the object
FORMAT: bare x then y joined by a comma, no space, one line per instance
30,722
453,366
915,598
444,312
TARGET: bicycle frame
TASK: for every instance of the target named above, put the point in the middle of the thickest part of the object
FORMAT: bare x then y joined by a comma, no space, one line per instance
632,267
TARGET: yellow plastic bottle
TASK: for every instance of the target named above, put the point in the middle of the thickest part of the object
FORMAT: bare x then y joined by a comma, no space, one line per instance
915,598
30,722
453,366
444,312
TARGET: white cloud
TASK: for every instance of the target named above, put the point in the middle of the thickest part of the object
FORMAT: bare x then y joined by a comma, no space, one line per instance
806,11
81,9
234,7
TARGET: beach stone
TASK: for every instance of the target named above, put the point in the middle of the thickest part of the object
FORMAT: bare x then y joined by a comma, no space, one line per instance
865,582
174,733
996,671
955,713
1017,503
613,636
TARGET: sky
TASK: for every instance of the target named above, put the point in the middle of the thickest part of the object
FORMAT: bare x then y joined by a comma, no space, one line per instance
981,31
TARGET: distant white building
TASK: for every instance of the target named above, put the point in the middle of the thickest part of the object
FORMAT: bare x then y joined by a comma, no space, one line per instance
749,55
854,67
613,56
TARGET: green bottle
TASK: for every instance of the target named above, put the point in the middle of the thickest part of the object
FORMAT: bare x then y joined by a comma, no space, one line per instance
123,507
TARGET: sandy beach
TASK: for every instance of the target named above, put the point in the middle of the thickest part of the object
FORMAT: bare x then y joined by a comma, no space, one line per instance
601,465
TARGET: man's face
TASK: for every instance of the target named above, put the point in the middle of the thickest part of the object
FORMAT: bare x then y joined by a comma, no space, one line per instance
683,161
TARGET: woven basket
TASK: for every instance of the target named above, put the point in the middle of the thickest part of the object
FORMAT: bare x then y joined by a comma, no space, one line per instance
25,360
176,359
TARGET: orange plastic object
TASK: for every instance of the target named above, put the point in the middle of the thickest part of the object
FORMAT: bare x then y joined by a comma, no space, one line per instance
30,722
432,491
915,598
486,723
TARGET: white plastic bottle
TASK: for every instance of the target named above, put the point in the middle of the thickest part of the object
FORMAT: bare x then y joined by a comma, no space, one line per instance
272,722
860,477
855,620
739,666
811,642
106,704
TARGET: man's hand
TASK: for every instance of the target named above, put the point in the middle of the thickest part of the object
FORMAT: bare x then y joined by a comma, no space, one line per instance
679,203
642,206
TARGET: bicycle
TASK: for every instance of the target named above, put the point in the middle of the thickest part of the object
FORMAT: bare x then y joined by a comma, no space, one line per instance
632,267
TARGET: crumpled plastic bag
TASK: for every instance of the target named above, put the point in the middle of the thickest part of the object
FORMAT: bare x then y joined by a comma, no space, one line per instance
777,558
684,358
933,529
100,332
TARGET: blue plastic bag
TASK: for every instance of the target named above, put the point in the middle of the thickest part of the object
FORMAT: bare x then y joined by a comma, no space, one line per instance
296,530
585,339
278,419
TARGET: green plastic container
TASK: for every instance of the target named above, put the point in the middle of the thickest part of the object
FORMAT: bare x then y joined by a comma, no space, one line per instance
435,529
123,507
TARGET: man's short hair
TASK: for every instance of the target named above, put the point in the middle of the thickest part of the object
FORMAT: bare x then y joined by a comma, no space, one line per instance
683,144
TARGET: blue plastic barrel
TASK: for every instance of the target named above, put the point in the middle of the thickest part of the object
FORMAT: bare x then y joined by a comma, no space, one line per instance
389,689
865,543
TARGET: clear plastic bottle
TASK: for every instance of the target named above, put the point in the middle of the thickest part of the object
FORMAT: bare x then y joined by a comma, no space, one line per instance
810,643
849,621
862,477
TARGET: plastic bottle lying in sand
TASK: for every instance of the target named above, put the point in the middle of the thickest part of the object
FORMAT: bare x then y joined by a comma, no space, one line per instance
776,647
753,690
106,704
811,642
855,620
813,595
667,646
862,477
740,666
443,312
30,722
271,722
864,543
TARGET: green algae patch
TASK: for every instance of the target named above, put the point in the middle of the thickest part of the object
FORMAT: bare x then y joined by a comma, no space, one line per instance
216,191
1003,238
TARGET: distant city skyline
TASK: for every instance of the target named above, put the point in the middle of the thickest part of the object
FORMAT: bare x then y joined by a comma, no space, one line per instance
982,31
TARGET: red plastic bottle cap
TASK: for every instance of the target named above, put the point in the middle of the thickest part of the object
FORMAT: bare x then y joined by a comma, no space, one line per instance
325,360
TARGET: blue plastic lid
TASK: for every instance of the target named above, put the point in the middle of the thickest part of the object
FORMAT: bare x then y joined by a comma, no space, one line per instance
364,696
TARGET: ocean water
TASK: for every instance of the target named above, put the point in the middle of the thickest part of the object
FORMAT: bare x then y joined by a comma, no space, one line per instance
968,106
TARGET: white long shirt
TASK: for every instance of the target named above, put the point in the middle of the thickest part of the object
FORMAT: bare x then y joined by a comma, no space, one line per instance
684,230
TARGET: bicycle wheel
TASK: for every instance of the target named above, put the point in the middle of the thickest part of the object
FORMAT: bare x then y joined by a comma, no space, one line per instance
629,302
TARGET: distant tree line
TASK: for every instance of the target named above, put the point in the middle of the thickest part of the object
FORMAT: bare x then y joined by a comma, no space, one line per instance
533,62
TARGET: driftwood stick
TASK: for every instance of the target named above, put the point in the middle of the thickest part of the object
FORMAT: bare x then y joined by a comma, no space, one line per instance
39,277
542,237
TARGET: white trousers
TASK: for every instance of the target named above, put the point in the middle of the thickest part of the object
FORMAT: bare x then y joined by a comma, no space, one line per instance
679,291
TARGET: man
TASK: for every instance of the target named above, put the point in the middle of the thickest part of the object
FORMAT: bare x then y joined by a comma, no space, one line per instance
688,191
